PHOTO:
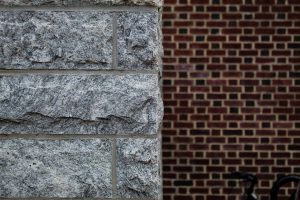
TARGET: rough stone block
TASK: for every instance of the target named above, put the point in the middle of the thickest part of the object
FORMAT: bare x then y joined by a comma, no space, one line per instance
138,40
80,104
55,40
79,2
138,172
49,168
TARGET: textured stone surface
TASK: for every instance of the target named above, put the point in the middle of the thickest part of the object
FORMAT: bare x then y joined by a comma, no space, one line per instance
140,2
138,40
75,104
67,168
138,171
79,2
55,40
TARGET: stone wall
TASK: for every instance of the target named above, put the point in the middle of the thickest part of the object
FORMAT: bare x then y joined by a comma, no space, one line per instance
80,101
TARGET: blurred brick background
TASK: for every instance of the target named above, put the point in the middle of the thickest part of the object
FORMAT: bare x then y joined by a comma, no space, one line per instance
232,95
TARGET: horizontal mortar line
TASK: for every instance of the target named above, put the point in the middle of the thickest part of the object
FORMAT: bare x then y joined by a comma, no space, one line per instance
108,8
57,198
73,72
75,136
54,198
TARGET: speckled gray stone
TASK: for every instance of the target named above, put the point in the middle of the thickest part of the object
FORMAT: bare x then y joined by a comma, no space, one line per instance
138,172
80,104
157,3
49,168
79,2
55,40
138,40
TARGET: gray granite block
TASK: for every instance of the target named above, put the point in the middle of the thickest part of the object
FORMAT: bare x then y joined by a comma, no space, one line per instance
138,40
80,104
50,168
138,172
79,2
55,40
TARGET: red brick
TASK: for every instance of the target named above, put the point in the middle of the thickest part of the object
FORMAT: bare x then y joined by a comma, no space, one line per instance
282,24
199,2
232,1
199,16
215,8
267,2
234,16
216,24
264,16
184,8
281,8
249,8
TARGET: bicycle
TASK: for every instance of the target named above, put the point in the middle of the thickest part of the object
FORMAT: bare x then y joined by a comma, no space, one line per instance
281,181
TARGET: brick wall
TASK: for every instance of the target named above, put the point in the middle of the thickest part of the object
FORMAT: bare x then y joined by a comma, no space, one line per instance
80,100
231,94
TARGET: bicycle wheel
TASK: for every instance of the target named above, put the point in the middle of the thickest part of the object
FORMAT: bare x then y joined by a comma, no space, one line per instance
281,182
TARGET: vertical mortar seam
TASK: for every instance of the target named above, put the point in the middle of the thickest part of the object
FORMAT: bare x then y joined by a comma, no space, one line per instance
160,83
114,169
114,42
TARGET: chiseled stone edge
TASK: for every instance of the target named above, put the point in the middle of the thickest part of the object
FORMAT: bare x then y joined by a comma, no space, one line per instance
61,3
55,168
138,168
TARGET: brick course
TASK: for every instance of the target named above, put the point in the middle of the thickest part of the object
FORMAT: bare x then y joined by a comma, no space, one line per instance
231,91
